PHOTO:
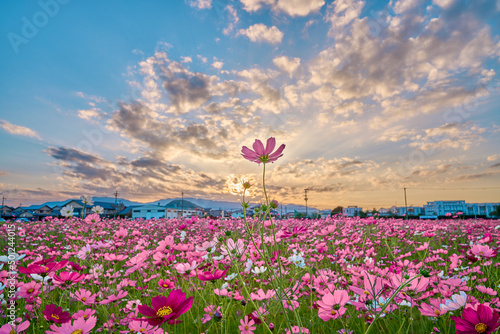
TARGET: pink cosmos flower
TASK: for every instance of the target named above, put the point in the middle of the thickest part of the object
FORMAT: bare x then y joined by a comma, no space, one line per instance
212,276
8,329
166,309
332,306
56,314
80,326
261,154
261,295
142,327
488,291
85,296
166,284
29,290
246,326
483,250
109,299
185,268
92,218
67,278
433,309
85,314
210,312
483,320
296,330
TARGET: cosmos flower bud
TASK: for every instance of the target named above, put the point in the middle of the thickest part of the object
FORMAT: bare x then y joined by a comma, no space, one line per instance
424,272
274,204
246,185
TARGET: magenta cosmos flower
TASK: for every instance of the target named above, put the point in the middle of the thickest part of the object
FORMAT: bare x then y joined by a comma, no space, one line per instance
166,308
483,320
261,154
56,314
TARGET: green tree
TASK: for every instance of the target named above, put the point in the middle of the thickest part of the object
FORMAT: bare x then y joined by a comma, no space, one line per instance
337,210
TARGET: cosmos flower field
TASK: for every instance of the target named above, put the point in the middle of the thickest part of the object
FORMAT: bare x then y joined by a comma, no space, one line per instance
334,275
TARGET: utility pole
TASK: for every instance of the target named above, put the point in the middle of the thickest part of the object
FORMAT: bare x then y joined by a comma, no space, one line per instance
116,203
406,206
305,197
182,204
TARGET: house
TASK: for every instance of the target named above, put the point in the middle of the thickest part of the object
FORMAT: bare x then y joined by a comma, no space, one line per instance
352,211
149,211
180,208
109,208
6,211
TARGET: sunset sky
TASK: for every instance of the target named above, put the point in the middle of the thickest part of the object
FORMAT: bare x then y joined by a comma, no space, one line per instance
151,98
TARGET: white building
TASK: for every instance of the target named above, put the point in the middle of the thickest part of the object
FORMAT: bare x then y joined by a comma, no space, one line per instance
149,211
352,211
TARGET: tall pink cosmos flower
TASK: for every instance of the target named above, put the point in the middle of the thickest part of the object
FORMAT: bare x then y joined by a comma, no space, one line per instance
166,308
483,320
483,250
332,306
261,154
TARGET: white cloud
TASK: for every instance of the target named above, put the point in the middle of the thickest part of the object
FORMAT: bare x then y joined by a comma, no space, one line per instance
261,33
443,3
89,114
233,20
290,7
217,64
18,130
289,65
186,60
201,4
493,157
299,7
255,5
452,135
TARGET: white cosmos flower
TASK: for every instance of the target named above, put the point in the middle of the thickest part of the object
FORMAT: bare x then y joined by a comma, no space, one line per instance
98,209
12,257
259,270
230,277
87,200
67,211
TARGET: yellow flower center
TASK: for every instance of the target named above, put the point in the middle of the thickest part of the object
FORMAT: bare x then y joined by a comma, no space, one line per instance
366,292
30,290
165,310
84,299
78,331
210,313
436,312
165,285
333,312
12,332
55,316
246,327
481,328
143,330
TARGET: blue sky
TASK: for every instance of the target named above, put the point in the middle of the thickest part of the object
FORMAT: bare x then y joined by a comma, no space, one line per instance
157,97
